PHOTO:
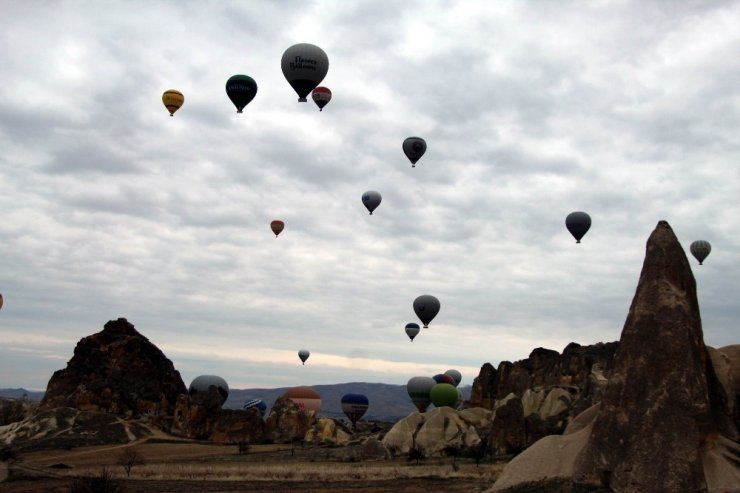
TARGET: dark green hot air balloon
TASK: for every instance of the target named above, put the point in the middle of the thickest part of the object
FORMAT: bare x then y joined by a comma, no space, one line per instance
241,89
578,223
444,394
700,249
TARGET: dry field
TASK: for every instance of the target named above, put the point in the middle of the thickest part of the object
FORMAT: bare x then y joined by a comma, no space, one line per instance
182,466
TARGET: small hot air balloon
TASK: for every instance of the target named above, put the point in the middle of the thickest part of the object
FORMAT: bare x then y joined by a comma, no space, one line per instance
456,375
578,223
321,96
241,90
1,300
418,389
173,100
304,354
414,148
444,378
371,199
258,403
444,394
426,308
201,386
354,406
277,227
412,330
304,67
306,398
699,249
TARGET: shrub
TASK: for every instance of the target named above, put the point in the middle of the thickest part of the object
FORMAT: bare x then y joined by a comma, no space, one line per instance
102,483
128,458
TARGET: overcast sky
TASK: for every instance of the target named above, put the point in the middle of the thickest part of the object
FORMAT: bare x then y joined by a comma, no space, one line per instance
628,110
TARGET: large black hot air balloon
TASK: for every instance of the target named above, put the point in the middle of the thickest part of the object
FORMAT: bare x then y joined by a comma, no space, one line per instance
426,308
241,89
203,385
355,406
418,389
578,223
304,67
700,249
414,148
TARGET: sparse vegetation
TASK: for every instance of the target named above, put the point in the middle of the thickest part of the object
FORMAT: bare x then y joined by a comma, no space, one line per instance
100,483
128,458
8,453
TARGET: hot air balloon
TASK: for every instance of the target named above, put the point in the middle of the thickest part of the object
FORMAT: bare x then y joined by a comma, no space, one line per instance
444,378
257,403
203,385
304,67
578,223
414,148
700,249
412,330
277,227
418,389
443,394
426,308
241,89
321,96
371,199
306,398
354,406
456,375
173,100
304,354
1,300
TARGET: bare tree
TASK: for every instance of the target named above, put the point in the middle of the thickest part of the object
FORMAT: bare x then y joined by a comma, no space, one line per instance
128,458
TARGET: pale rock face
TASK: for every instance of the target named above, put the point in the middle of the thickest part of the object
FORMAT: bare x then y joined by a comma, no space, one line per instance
326,431
400,439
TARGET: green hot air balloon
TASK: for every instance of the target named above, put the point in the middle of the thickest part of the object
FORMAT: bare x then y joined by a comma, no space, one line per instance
241,90
700,249
444,394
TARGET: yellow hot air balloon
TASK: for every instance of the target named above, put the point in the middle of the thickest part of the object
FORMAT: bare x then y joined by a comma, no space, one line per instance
172,100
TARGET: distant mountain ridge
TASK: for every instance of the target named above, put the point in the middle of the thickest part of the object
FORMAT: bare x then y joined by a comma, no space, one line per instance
388,402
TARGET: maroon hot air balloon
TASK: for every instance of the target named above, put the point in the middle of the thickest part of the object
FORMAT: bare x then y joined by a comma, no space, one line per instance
277,226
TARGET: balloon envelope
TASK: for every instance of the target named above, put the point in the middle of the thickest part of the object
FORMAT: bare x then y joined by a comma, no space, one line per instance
173,100
304,354
203,383
321,96
371,199
418,389
412,330
304,66
305,397
444,378
258,403
241,90
700,249
277,226
1,300
578,223
414,148
444,394
355,406
456,376
426,308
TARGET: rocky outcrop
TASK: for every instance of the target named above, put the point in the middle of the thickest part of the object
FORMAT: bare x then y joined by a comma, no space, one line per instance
664,421
545,368
116,371
65,428
326,431
237,425
287,422
438,431
508,432
12,410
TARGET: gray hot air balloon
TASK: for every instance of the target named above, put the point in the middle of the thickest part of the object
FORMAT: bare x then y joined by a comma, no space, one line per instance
371,199
304,66
426,308
418,389
414,148
578,223
456,376
412,330
700,249
202,385
304,354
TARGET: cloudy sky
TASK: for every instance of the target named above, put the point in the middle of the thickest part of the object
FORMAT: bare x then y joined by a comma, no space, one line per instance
628,110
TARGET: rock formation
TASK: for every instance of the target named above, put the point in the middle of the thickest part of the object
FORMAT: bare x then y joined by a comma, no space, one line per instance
287,422
665,421
116,371
438,430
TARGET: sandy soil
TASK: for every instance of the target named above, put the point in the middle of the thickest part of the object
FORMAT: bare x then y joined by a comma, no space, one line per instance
185,466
